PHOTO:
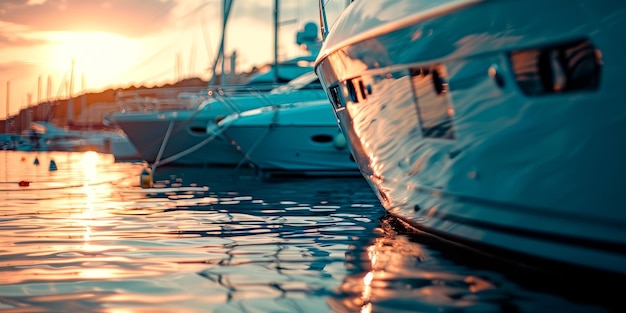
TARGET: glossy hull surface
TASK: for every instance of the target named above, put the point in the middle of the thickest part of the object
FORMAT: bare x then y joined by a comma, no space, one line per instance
490,123
298,138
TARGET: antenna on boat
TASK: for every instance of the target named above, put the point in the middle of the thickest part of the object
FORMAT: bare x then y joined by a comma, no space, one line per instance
323,21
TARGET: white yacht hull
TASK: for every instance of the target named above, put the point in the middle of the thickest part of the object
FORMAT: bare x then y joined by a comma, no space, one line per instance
181,137
300,138
497,124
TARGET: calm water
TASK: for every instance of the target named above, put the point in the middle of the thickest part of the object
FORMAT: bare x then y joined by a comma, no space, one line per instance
87,238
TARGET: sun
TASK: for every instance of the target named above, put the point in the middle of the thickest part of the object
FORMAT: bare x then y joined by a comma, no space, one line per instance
100,57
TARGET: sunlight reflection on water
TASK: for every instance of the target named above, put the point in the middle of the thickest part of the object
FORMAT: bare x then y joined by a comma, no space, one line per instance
87,238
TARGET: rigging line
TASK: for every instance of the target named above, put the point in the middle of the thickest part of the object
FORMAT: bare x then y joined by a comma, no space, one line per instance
150,59
156,76
270,126
168,45
184,152
166,138
205,37
185,16
219,100
299,8
196,9
184,123
164,12
220,54
192,57
176,129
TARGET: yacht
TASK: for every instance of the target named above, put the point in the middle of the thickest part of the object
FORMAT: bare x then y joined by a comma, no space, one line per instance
176,133
494,125
291,139
44,136
179,136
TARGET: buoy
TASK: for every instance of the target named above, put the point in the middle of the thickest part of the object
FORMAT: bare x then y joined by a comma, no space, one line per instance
53,166
339,141
36,161
24,183
146,178
23,159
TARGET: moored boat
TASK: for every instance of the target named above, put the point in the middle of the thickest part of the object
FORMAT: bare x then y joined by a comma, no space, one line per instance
499,125
44,136
180,136
291,139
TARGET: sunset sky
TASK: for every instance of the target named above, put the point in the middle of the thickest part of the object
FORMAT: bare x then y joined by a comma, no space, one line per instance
116,43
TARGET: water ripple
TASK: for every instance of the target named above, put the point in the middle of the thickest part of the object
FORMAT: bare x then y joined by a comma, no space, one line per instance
229,242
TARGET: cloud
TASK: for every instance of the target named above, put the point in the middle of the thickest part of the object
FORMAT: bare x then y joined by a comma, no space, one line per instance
17,69
11,40
126,17
35,2
12,35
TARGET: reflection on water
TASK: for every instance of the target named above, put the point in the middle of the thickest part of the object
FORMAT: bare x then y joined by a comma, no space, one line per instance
87,238
397,272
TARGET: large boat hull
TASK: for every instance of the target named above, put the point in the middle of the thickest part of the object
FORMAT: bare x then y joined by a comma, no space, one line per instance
176,137
490,122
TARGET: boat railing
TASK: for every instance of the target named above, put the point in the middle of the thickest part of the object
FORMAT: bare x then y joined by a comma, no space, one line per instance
191,98
160,99
266,94
228,94
184,98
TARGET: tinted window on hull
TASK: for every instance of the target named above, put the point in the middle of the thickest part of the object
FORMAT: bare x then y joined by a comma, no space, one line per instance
572,66
434,109
334,97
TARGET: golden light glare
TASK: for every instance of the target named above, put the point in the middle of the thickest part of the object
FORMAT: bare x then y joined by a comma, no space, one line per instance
100,56
90,158
90,163
367,279
367,308
367,291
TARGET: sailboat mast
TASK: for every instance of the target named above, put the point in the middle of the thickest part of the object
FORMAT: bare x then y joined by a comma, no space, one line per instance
49,88
276,8
6,119
70,102
39,89
226,5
